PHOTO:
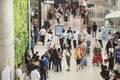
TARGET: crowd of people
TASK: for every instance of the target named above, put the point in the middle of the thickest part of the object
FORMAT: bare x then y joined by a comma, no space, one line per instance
38,66
110,67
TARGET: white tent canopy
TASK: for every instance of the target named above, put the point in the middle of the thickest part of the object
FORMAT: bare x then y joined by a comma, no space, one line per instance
114,14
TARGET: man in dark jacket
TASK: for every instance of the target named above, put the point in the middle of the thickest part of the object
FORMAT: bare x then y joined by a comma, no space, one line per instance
89,29
47,24
36,34
70,30
94,27
111,62
108,46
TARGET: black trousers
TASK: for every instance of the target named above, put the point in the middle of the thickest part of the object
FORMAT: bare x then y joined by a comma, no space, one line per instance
58,21
32,49
35,39
100,41
74,43
43,39
59,67
43,75
69,43
62,44
50,61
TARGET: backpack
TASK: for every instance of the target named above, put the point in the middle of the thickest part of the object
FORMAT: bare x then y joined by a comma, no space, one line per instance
78,54
59,56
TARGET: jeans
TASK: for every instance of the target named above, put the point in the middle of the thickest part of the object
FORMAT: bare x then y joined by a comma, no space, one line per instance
59,67
74,43
100,41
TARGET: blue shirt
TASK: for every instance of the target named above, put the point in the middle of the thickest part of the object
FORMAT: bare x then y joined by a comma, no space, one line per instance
46,61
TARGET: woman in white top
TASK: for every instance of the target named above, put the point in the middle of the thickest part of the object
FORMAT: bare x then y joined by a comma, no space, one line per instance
67,53
19,74
35,75
100,38
75,37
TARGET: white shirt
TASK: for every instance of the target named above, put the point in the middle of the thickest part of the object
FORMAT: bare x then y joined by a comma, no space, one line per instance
99,36
75,36
62,35
66,53
49,36
19,74
35,75
88,37
42,31
69,35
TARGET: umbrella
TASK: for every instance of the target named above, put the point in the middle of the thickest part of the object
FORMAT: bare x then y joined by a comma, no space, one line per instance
114,14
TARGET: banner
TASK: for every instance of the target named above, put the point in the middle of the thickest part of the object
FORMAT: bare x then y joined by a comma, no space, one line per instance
58,30
117,55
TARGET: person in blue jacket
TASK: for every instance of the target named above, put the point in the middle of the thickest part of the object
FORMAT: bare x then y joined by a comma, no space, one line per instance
36,34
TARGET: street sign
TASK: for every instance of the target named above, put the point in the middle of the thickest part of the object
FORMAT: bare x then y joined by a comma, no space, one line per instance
117,55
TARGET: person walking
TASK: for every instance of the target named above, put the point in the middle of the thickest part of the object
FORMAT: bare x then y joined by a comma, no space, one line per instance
68,54
59,58
35,75
42,34
104,70
75,37
74,12
61,39
43,68
58,17
80,35
36,34
78,57
109,46
89,29
32,46
94,28
111,62
69,37
19,74
100,38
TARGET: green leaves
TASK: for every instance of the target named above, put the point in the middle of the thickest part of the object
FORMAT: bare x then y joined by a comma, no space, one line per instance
20,29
